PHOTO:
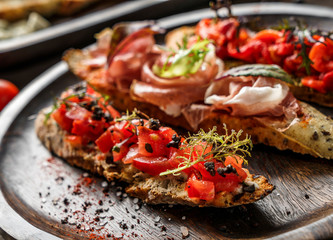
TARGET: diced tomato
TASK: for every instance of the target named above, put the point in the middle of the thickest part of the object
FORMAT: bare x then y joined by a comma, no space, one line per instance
328,81
284,49
314,82
132,153
59,115
127,129
75,141
90,129
175,158
227,184
268,36
119,152
151,165
113,112
200,189
199,150
236,162
105,142
154,142
244,52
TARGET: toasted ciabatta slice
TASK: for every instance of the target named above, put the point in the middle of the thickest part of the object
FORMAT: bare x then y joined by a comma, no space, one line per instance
297,87
168,189
311,133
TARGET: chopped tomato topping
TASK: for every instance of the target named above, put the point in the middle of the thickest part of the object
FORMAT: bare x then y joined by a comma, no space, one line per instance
200,189
153,143
59,115
314,82
75,141
151,165
151,148
328,81
269,46
105,142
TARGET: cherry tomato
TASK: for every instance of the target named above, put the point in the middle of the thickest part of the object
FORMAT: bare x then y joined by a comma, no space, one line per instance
7,92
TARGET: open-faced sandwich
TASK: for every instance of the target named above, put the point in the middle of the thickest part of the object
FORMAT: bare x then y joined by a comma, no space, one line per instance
305,54
159,165
188,86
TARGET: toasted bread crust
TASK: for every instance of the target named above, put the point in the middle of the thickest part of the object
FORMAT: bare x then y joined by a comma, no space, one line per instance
154,190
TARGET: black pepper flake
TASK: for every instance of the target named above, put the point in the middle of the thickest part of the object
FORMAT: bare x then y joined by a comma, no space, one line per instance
109,159
248,187
154,124
210,167
315,136
100,202
66,201
307,196
228,169
64,221
123,226
98,211
174,142
148,148
325,133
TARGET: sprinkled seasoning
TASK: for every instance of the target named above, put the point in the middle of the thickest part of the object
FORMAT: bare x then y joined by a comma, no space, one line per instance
175,142
210,167
315,136
154,124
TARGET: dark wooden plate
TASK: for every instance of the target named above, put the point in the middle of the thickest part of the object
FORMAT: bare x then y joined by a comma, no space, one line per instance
42,197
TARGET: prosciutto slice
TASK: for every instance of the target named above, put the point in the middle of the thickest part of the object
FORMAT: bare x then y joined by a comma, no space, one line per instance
252,96
126,62
172,95
171,100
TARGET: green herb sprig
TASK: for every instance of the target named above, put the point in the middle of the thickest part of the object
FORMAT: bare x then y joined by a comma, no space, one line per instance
229,144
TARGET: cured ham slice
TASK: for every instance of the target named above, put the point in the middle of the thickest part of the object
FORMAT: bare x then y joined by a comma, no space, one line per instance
171,100
252,96
173,94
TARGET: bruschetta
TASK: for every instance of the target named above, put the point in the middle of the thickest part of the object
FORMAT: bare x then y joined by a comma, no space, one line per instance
190,88
159,165
305,54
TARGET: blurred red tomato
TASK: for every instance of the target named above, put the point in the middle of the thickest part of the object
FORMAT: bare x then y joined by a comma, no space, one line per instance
7,92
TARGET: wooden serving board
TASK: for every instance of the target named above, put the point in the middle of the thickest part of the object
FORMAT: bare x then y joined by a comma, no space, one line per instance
42,197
